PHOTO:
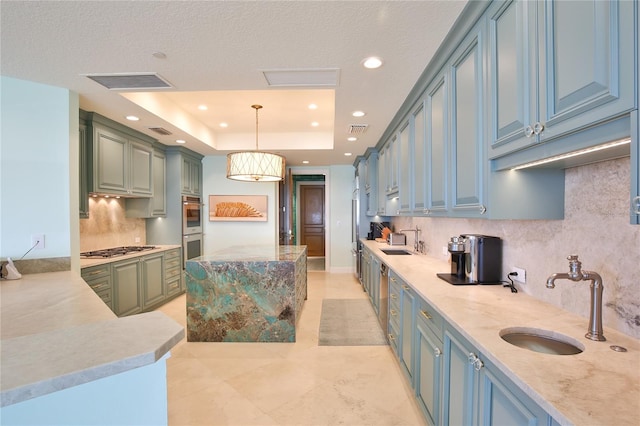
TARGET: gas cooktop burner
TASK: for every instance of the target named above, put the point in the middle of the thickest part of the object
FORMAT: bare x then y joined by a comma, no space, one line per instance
115,251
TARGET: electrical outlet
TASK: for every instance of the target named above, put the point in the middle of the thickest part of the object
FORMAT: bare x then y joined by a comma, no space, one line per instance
136,240
37,241
522,275
445,251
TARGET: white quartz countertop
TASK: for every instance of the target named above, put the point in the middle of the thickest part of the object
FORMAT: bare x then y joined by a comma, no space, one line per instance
57,333
85,263
596,387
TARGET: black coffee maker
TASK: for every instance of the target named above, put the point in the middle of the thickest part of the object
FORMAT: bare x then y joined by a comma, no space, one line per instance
475,259
375,230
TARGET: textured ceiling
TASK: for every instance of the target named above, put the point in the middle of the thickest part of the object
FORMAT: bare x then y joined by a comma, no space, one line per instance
215,54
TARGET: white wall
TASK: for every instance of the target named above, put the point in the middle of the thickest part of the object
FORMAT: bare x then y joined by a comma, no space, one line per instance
218,235
340,195
38,182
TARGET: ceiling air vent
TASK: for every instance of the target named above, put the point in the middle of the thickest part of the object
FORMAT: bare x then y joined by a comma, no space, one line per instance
160,130
357,129
130,81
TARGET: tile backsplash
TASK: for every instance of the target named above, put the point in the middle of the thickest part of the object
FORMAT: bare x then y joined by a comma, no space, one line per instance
596,228
108,226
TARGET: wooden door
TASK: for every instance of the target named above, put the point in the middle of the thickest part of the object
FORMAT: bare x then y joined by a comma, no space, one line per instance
312,219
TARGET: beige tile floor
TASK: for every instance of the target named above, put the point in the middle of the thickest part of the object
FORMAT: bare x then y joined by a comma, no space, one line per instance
297,383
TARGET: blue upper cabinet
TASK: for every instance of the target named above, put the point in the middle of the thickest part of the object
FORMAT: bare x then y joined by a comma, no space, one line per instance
406,157
437,141
467,124
557,67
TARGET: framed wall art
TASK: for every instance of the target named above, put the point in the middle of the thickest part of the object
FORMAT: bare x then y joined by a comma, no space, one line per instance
241,208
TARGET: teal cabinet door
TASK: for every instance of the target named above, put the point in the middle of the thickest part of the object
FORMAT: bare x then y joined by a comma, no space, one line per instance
459,381
84,191
499,406
437,142
191,176
635,166
153,284
577,72
588,65
467,128
405,168
391,169
382,182
371,168
394,313
512,77
419,159
155,206
141,169
173,272
402,299
111,162
127,294
428,371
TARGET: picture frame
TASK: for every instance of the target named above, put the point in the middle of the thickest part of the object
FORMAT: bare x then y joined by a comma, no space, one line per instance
238,208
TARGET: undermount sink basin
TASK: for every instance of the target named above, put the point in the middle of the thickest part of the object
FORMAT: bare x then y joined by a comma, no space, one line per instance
543,341
396,252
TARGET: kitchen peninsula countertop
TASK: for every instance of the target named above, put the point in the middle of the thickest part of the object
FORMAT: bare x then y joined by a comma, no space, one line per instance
596,387
57,333
86,263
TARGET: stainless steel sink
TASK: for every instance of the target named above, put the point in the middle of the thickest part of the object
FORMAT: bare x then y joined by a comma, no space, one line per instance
396,252
543,341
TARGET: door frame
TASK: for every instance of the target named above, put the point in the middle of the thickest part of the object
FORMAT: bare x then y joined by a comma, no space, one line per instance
327,207
298,209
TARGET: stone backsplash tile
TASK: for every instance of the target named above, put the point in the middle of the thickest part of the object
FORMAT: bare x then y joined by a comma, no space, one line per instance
108,226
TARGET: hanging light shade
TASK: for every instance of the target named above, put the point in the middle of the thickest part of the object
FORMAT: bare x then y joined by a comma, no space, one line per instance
255,166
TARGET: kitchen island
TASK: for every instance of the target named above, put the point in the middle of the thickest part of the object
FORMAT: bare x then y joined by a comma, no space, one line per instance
246,294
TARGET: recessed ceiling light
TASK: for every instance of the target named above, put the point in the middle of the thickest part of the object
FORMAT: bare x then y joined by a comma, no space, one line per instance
313,106
315,124
358,113
305,161
372,62
132,118
203,107
347,154
352,139
224,125
180,141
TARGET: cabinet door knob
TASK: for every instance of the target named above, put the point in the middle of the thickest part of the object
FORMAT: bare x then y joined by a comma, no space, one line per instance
636,204
483,209
528,131
538,128
437,352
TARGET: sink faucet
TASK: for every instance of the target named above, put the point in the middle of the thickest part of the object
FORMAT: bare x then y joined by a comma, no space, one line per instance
577,274
417,237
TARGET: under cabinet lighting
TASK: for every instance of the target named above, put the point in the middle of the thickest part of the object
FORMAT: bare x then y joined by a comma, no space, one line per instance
574,154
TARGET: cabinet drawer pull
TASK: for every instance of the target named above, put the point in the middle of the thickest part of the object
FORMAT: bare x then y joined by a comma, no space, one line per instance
392,337
437,352
393,280
483,209
425,314
393,296
475,361
393,312
405,287
96,272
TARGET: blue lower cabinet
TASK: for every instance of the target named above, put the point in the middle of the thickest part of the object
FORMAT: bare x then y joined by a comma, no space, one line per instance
476,393
428,371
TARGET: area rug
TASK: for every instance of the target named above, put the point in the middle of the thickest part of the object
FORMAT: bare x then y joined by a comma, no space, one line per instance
349,322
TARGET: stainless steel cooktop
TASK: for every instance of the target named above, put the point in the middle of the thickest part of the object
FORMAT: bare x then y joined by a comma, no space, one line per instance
115,251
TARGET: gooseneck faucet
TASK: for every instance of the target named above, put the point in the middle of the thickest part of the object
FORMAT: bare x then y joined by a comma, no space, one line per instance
577,274
416,245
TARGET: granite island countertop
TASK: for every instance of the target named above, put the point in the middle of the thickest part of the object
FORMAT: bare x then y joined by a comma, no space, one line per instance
54,329
254,254
596,387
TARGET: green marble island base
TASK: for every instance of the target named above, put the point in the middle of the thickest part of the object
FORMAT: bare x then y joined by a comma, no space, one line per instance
246,294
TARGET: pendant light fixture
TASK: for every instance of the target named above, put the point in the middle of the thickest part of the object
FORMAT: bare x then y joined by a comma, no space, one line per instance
255,166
